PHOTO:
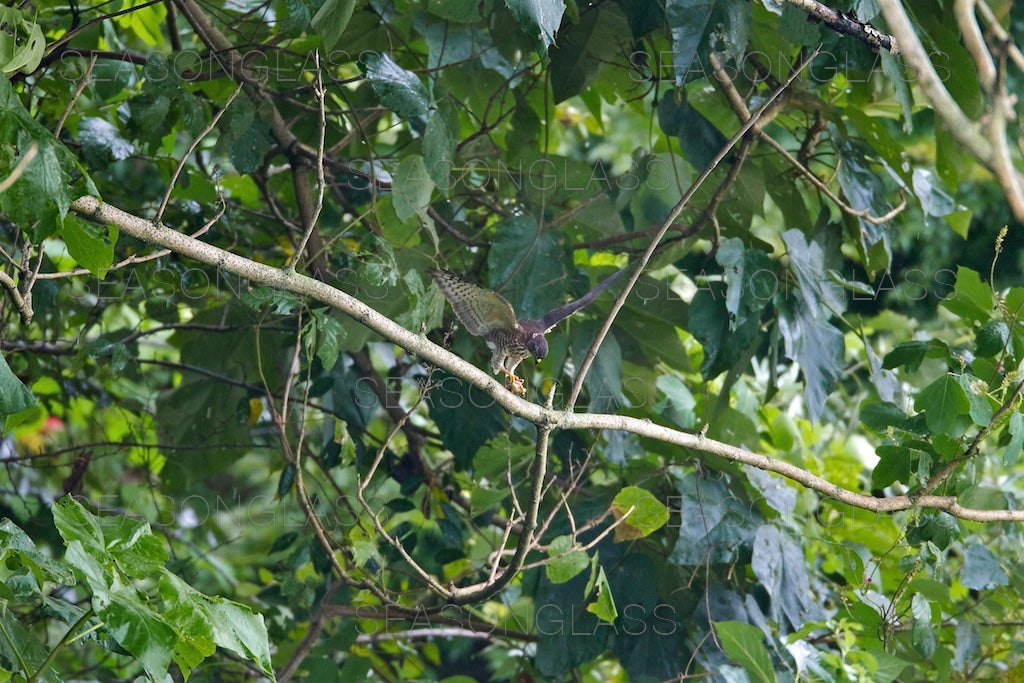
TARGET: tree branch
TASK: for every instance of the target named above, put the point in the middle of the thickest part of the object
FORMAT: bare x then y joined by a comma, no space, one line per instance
992,152
847,24
296,283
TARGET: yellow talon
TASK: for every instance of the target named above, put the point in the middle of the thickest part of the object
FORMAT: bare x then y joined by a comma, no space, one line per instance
516,383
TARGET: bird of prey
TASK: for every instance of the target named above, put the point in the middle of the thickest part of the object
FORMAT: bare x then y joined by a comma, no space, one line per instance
488,314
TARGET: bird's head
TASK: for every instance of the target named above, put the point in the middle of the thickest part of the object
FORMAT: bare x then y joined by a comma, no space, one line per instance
537,345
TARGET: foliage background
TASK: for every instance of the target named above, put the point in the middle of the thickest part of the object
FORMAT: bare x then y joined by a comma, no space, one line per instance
263,486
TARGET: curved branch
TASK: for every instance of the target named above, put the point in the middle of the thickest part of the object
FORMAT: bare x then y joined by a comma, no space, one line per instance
992,153
296,283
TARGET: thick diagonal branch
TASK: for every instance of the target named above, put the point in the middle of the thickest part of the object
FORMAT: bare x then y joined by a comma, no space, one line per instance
296,283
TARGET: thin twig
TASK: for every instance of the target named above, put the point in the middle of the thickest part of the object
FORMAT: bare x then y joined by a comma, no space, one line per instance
74,97
19,170
321,181
192,148
577,385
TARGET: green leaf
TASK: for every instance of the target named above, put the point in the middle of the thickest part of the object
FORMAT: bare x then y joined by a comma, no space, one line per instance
603,604
564,568
17,548
19,644
582,49
911,354
247,150
991,338
977,393
22,42
397,89
879,417
752,280
817,347
922,635
412,187
465,416
894,464
332,19
140,631
942,402
1012,451
646,513
90,244
777,561
981,570
229,624
971,299
744,645
531,264
679,404
14,396
699,139
940,529
539,19
328,333
439,141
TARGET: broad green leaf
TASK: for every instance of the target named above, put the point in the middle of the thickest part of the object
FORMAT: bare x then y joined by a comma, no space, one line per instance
862,185
981,570
922,635
879,417
752,280
646,513
817,347
456,10
332,19
581,50
229,624
934,199
17,548
439,145
977,394
412,187
328,333
399,90
564,568
539,19
991,339
942,402
688,20
530,264
895,463
22,42
90,244
699,139
75,523
14,396
140,631
744,644
940,529
465,416
971,299
777,561
19,644
1012,451
679,402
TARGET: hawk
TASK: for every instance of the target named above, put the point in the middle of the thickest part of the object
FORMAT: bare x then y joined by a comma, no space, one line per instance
488,314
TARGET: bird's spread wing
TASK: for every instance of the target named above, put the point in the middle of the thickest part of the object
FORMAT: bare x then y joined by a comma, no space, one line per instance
562,312
480,310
